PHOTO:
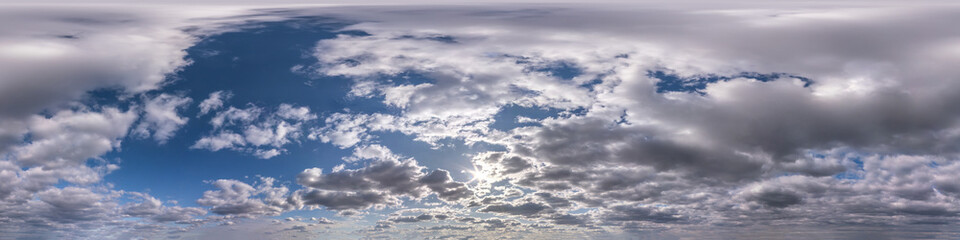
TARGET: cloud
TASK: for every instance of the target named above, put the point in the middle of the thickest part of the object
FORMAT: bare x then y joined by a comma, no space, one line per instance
324,221
151,208
412,219
387,174
92,133
342,130
341,200
500,164
234,115
214,101
290,112
233,197
161,118
381,182
220,141
440,182
526,209
254,131
132,51
627,213
50,179
371,152
71,204
266,154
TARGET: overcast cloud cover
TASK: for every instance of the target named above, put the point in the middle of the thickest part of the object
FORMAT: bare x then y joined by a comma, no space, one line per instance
683,120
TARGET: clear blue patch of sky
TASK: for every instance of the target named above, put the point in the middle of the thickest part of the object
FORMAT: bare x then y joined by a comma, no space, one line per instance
670,82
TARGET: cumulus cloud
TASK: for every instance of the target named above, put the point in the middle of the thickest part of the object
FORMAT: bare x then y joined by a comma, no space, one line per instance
287,111
371,152
381,182
233,116
153,209
251,130
93,133
237,198
384,179
214,101
526,209
323,221
160,118
220,141
342,130
440,182
58,149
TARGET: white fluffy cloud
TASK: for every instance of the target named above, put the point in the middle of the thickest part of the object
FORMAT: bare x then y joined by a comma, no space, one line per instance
253,131
214,101
153,209
161,118
88,133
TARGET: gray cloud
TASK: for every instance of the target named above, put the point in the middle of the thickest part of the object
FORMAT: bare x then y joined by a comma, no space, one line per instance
43,69
526,209
237,198
153,209
446,188
383,181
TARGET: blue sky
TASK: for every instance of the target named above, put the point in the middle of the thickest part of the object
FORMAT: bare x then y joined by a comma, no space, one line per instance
242,62
741,120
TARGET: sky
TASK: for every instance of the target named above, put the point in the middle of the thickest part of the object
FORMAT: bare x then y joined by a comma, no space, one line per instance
483,120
